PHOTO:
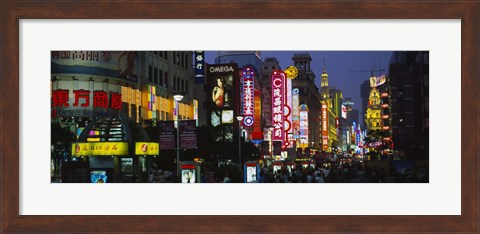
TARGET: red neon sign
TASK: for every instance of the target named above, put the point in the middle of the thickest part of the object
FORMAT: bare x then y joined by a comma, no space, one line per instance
278,103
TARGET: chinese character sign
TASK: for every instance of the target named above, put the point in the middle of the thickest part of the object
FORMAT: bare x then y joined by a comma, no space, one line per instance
166,134
121,65
324,127
188,134
278,103
100,149
303,126
199,67
101,99
296,113
248,77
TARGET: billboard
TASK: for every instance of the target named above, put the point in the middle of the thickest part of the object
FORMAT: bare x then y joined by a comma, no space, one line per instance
278,105
303,126
344,112
257,112
115,64
247,93
188,134
221,82
288,113
146,148
199,67
296,113
376,81
100,149
166,134
324,126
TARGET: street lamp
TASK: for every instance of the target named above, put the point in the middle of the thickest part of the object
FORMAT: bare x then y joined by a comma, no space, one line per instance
240,118
177,99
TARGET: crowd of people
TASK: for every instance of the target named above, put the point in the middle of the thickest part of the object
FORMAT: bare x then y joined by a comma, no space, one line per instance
323,172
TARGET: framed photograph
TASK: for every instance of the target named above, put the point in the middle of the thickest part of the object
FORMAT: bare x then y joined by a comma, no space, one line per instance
92,201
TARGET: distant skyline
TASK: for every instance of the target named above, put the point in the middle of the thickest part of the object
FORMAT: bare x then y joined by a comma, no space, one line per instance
341,67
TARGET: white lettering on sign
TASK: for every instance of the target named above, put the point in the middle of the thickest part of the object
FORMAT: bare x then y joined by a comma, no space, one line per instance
221,69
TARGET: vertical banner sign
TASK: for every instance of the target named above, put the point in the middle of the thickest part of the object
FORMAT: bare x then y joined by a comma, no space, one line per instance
166,135
296,113
248,96
303,126
278,103
188,134
288,114
257,112
344,112
324,127
199,67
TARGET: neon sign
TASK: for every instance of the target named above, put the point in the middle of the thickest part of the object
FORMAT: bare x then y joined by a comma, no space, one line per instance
278,103
248,96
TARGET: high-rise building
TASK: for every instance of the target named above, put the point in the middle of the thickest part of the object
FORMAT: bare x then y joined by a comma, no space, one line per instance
364,95
309,95
409,81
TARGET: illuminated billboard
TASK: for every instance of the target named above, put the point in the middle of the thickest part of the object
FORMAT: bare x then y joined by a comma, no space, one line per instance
248,76
324,126
344,112
278,105
146,148
303,126
100,149
376,81
296,113
114,64
221,82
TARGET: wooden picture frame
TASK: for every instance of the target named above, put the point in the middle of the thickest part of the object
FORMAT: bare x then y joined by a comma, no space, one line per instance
13,11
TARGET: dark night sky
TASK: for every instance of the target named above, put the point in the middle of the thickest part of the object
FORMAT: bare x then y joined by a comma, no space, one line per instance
338,65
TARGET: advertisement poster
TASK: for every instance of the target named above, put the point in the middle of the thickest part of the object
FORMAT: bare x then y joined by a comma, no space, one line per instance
188,134
98,176
188,173
221,79
251,175
115,64
166,135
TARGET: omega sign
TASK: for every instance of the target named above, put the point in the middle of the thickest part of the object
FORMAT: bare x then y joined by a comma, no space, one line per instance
221,69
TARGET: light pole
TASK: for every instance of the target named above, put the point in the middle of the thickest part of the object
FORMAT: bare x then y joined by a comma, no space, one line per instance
178,98
240,118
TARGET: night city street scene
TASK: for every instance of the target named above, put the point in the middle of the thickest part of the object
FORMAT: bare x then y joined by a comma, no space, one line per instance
239,117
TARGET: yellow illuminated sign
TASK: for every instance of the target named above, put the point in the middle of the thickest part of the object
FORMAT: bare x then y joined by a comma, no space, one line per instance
291,72
146,148
99,149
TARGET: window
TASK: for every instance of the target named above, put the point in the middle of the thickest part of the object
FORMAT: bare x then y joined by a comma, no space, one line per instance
175,83
182,61
160,77
150,74
155,75
166,79
165,55
178,83
186,87
186,61
183,86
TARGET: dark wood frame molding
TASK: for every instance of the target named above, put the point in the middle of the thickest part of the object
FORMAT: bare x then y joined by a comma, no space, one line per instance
12,11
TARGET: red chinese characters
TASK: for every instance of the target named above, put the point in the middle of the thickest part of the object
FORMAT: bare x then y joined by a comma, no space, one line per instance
60,98
116,101
278,102
100,99
82,94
